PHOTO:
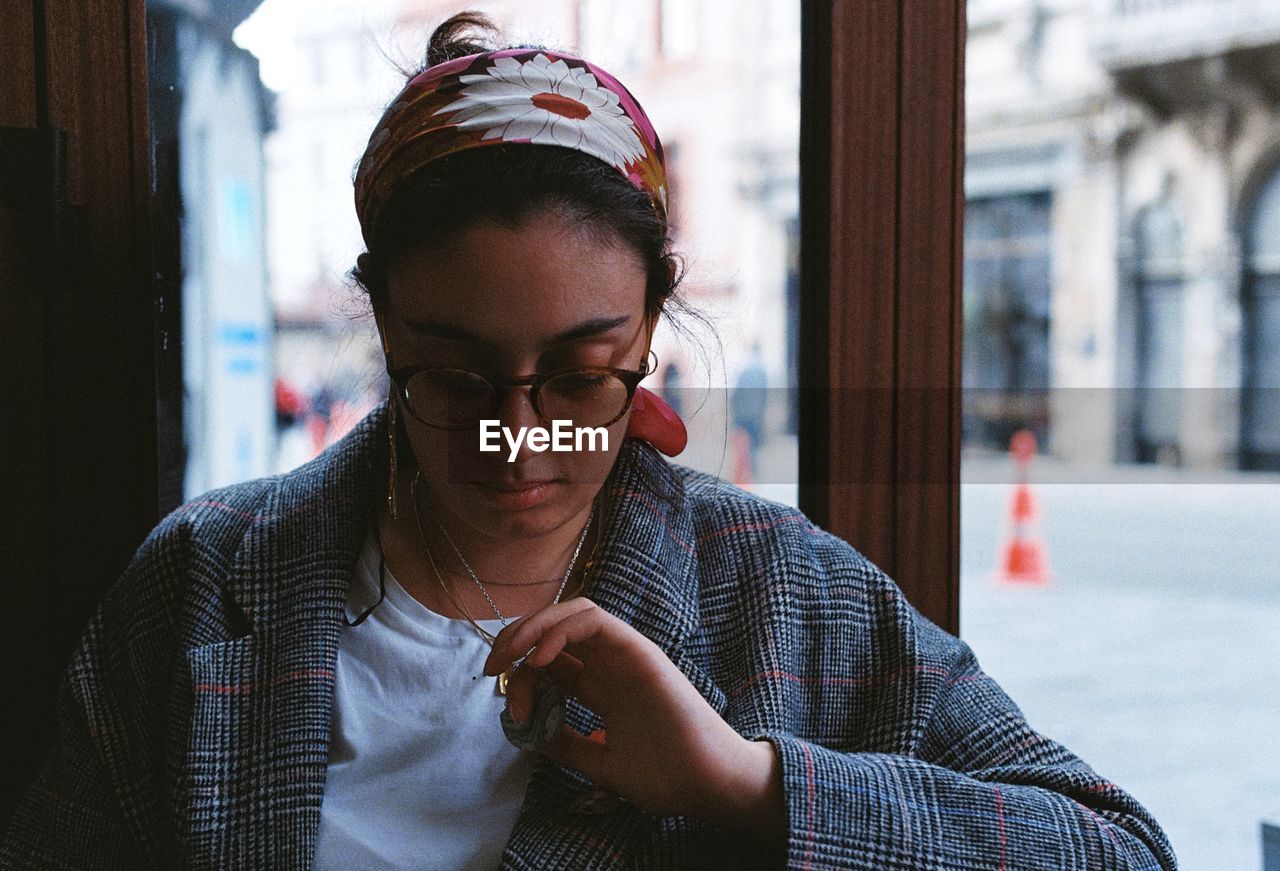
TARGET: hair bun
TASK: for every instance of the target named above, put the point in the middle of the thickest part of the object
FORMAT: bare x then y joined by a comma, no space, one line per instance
457,37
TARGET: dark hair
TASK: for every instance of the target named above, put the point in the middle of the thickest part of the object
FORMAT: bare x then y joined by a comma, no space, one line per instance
506,184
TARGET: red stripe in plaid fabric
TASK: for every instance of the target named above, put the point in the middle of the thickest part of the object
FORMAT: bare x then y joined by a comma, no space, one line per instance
755,527
269,682
653,506
310,505
1101,823
965,678
836,681
1013,751
1000,827
808,774
596,842
1105,786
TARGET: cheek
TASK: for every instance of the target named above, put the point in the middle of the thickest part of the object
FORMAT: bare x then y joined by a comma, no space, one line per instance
445,457
590,468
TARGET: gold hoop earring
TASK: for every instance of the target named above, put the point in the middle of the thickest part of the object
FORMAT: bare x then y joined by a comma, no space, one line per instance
392,505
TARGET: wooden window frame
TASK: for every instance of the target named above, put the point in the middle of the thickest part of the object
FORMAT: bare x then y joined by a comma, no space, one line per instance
78,328
881,258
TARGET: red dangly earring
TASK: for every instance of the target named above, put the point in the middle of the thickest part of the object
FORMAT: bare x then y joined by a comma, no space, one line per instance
657,423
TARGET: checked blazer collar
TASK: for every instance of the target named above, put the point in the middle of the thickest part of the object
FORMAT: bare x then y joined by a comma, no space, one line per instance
289,580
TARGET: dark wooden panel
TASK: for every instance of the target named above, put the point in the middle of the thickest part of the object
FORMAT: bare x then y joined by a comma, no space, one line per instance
28,664
881,190
930,216
28,667
80,432
17,64
102,359
863,306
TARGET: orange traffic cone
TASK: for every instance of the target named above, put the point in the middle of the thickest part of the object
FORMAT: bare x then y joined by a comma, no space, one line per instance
1023,559
740,448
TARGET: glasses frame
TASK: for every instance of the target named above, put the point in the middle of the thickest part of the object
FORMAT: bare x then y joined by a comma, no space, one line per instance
630,378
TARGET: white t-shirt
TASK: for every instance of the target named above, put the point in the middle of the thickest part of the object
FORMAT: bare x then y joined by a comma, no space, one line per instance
420,774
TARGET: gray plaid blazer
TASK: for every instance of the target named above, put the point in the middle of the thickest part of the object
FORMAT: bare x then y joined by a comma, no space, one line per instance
194,717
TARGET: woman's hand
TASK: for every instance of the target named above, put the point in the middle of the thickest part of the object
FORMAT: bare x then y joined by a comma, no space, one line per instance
665,749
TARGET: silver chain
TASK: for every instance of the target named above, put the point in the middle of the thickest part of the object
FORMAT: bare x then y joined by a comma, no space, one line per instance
568,571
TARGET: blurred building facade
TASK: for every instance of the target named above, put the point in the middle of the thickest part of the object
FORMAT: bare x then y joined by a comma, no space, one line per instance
326,351
209,114
1122,277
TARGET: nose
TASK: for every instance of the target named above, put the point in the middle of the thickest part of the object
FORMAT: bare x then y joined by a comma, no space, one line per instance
515,410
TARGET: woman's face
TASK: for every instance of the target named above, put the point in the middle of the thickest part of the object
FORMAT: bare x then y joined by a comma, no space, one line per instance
516,301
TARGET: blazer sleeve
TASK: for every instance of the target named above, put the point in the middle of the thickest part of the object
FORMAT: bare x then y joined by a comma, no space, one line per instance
70,817
89,806
942,770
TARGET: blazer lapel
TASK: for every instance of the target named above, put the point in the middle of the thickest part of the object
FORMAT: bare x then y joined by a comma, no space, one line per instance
258,751
648,577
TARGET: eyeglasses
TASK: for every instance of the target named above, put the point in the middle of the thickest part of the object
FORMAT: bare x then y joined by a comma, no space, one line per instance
456,399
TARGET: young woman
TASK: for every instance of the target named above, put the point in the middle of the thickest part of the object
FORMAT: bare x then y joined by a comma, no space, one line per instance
412,652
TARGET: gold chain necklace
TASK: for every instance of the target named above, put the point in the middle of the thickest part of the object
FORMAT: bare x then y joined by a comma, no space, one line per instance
501,685
573,561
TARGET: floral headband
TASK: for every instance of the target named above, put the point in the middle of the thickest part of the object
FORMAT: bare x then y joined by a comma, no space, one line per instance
514,95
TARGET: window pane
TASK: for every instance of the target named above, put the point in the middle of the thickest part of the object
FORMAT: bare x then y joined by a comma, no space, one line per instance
1121,306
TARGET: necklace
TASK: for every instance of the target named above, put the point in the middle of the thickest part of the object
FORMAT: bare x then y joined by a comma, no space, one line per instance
501,685
470,571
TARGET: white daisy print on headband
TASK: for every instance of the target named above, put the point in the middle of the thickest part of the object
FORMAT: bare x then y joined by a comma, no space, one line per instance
546,102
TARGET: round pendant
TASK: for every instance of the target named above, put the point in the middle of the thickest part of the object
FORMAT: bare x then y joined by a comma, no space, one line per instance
544,723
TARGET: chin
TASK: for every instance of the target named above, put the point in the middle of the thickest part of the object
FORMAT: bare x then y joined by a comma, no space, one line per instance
488,514
525,525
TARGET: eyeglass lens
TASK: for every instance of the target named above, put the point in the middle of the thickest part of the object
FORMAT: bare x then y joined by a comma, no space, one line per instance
452,397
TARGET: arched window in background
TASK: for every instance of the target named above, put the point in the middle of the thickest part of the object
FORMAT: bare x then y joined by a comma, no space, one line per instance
1159,297
1260,414
1006,317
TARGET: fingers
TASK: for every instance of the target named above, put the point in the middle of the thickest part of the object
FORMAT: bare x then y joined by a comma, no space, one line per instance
576,750
565,648
516,638
575,629
564,669
523,683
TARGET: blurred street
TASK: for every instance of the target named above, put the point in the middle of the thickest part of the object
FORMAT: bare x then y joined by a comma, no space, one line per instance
1152,654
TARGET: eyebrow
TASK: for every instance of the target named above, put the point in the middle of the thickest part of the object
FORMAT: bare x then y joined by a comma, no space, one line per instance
438,329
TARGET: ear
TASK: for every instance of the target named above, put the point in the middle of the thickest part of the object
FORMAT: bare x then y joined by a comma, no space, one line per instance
380,319
651,326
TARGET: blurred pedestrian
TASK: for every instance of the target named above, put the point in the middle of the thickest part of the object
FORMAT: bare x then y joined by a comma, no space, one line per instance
672,384
750,400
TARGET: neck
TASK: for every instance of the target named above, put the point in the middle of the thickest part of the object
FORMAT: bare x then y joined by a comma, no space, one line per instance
504,565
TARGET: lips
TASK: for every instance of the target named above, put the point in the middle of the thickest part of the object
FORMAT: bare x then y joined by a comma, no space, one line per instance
513,496
515,486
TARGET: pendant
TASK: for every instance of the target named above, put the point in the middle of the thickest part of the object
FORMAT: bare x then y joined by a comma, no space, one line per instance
545,722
